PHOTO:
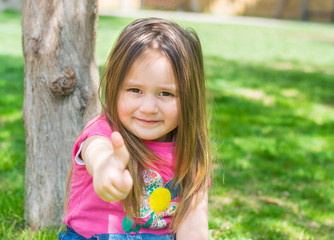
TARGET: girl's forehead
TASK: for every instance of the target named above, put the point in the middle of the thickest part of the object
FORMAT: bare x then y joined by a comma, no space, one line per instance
152,65
151,58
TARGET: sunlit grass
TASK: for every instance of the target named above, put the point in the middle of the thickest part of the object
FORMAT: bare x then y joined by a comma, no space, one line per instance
272,123
274,128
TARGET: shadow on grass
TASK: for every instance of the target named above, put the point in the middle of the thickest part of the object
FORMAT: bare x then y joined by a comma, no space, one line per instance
271,148
12,143
12,135
316,85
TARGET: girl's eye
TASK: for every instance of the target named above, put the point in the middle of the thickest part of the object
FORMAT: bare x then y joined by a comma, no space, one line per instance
134,90
166,94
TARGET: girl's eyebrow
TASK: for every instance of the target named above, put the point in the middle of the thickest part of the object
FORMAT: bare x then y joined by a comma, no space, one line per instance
169,86
133,82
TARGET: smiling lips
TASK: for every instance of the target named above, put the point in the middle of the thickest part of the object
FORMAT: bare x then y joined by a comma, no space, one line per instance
149,122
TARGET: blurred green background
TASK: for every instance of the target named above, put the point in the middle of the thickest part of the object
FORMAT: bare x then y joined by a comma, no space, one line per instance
271,102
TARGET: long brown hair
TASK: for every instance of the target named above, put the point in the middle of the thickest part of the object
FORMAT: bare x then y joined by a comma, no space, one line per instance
183,49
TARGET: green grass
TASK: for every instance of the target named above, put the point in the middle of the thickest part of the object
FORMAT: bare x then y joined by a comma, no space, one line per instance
271,103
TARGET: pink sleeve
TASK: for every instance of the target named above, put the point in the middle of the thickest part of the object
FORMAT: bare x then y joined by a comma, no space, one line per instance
97,126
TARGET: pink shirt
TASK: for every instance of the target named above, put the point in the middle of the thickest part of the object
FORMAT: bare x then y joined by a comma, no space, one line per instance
88,214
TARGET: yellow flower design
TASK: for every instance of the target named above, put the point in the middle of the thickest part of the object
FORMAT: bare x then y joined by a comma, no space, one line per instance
156,203
160,199
157,199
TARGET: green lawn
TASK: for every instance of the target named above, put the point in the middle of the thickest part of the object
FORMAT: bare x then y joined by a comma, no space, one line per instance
272,123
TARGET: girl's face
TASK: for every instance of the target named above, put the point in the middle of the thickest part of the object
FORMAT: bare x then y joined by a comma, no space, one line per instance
148,104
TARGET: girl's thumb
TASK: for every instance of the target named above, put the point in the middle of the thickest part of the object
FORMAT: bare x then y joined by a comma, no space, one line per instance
120,150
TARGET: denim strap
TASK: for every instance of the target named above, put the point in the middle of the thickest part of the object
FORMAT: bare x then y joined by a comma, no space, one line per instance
72,235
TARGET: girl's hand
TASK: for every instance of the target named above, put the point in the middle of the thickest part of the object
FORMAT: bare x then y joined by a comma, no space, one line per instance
111,181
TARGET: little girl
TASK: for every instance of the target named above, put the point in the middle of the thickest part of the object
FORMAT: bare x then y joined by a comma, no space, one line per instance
141,169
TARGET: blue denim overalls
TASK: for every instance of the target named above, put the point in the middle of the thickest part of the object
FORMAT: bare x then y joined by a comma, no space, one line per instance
72,235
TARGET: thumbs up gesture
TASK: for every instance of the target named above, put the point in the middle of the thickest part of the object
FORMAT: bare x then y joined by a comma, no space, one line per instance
106,161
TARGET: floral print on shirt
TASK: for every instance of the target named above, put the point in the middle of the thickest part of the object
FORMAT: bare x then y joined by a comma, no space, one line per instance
157,202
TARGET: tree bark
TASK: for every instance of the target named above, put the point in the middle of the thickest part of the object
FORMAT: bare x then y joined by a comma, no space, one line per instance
61,82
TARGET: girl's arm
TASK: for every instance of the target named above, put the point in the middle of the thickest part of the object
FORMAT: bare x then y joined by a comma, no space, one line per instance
106,162
195,225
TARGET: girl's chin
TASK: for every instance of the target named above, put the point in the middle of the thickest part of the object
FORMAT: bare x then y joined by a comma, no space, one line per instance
165,138
153,136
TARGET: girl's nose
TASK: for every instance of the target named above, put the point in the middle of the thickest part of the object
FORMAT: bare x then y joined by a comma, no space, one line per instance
148,104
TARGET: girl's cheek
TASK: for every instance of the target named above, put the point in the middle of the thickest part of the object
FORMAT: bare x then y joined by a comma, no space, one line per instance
174,110
122,109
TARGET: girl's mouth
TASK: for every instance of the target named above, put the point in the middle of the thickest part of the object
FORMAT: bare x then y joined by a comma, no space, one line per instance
147,121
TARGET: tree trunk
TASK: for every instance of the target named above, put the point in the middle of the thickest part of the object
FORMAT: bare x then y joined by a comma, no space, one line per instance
61,82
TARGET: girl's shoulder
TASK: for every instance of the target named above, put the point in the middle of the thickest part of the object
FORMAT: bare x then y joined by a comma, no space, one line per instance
97,126
98,123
